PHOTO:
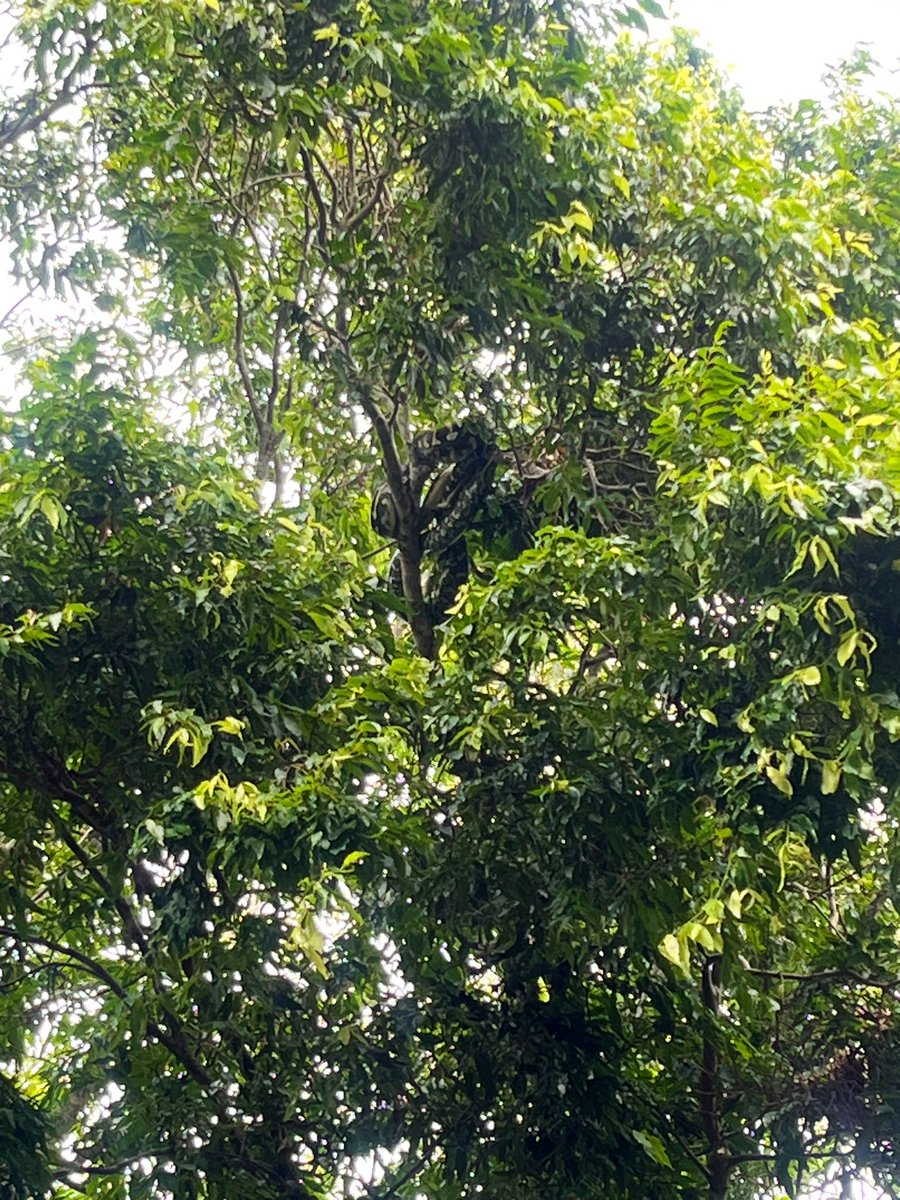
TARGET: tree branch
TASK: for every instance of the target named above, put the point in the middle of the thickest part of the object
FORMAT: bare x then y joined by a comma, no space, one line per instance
407,527
718,1163
239,351
313,185
882,985
83,960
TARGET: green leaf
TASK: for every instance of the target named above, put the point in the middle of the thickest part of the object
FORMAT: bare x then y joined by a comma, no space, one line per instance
156,831
652,1145
633,17
52,510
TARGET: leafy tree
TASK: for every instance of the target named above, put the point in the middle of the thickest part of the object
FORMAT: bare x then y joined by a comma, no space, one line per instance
542,839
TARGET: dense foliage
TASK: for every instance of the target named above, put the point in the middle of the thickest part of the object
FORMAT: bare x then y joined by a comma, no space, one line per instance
322,875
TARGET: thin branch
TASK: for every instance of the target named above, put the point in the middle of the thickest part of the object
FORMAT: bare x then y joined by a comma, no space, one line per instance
407,527
240,353
277,346
709,1091
80,1169
378,1192
313,186
121,905
172,1038
28,124
9,312
262,180
89,964
368,208
332,183
884,985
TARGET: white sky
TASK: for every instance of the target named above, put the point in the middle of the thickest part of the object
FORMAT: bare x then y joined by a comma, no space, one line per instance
778,49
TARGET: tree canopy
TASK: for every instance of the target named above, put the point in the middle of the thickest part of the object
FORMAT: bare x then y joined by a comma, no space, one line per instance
449,611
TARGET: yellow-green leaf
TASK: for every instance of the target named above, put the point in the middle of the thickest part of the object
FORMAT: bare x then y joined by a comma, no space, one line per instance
780,780
821,553
831,776
199,746
230,725
799,559
230,569
872,419
733,902
676,951
287,523
52,510
744,722
652,1146
848,647
156,831
702,935
579,215
308,938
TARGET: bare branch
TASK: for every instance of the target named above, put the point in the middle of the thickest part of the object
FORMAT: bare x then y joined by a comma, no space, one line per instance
32,117
884,985
313,185
263,429
407,523
18,303
89,965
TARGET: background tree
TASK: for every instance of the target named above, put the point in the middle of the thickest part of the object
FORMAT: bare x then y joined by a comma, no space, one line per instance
324,875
